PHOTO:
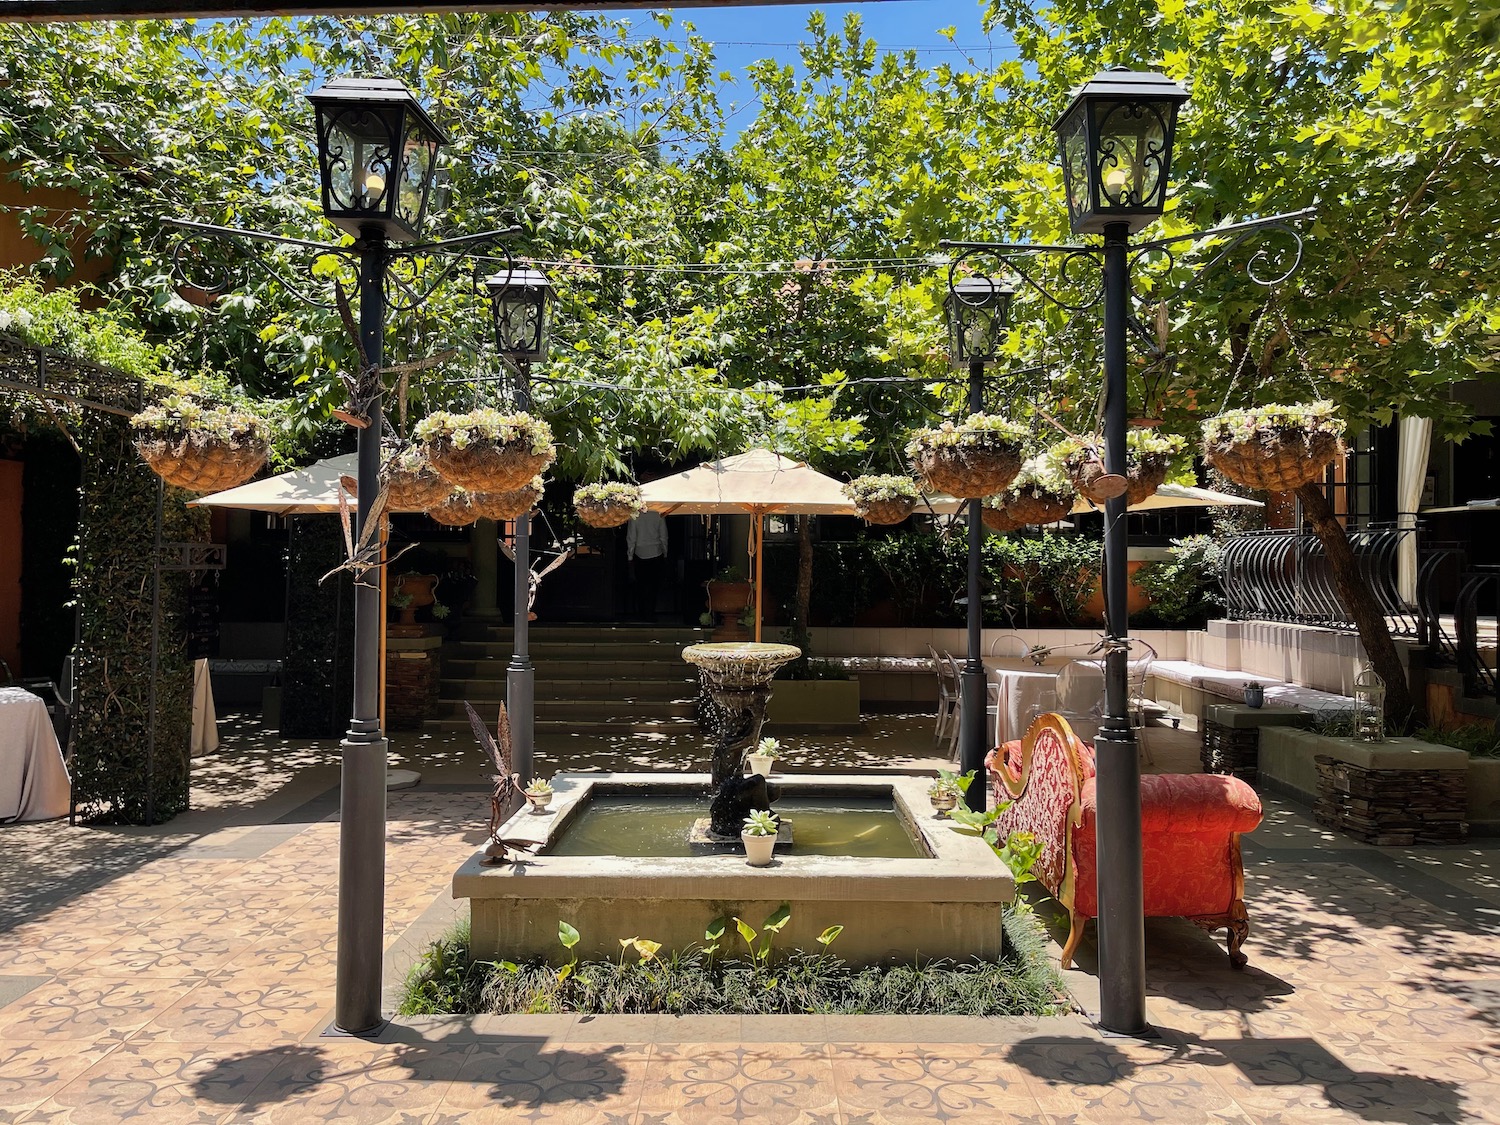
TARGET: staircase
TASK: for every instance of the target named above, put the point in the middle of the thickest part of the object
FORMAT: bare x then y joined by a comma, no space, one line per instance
590,679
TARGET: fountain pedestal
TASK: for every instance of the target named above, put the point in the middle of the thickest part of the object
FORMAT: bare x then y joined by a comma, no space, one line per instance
737,677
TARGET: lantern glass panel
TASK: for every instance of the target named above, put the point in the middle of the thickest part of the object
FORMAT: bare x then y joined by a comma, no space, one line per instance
1369,706
518,322
359,159
416,176
1132,152
1075,161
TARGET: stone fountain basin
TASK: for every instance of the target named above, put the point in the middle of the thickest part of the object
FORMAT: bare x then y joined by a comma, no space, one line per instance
944,905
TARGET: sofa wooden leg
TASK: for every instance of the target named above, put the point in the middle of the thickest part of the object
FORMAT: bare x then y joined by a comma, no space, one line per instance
1239,930
1075,935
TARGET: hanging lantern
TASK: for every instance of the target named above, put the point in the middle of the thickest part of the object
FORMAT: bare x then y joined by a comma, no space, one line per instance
377,155
519,301
1369,706
978,310
1116,140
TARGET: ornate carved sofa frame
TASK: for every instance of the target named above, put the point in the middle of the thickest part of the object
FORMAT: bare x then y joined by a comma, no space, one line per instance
1190,825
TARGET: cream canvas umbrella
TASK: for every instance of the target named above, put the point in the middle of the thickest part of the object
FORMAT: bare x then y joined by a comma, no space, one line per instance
1166,496
759,483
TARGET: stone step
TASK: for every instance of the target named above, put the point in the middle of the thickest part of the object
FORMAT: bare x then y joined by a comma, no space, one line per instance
612,727
581,690
493,667
654,651
600,710
591,634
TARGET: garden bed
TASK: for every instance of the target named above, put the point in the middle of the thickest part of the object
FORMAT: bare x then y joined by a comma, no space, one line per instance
735,981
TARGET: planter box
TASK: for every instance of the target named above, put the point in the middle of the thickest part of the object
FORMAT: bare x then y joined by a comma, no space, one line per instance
827,704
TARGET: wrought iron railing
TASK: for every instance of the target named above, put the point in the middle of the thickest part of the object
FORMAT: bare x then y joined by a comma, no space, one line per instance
1479,590
48,374
1284,575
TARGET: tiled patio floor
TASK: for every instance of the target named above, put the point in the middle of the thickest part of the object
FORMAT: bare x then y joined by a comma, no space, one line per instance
185,973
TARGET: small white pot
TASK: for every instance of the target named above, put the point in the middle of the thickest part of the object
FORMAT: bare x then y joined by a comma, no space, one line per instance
758,849
539,802
760,764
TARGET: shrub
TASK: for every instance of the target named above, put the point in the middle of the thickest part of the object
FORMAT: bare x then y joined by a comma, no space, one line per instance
1184,587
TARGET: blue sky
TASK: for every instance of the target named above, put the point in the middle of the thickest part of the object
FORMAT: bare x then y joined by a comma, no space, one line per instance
743,35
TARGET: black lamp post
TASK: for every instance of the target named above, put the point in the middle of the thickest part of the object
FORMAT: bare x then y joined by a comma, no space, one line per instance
377,154
978,309
1116,140
519,302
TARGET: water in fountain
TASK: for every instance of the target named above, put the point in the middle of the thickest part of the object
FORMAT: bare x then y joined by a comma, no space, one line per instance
737,676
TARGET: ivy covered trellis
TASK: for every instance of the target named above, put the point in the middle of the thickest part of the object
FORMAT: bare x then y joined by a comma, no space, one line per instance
137,544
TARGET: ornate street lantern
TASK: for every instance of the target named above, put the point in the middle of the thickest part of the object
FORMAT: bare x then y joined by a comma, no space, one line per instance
1369,706
978,309
1116,139
377,153
519,301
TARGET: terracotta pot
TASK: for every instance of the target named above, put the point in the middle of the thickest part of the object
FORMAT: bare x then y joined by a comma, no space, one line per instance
419,586
758,849
729,597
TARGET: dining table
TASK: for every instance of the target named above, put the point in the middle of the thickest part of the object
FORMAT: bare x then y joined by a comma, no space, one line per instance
34,782
1025,690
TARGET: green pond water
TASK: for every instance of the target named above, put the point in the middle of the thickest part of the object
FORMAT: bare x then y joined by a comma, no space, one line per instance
658,826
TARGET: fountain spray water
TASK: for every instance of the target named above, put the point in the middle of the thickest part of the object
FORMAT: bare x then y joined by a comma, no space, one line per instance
737,677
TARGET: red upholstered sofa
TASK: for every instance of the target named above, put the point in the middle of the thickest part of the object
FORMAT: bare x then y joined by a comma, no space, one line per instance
1190,827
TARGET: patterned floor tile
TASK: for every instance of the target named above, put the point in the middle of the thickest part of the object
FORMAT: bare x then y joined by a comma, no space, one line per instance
31,1072
231,1009
166,1083
88,1008
930,1085
354,1083
570,1084
709,1084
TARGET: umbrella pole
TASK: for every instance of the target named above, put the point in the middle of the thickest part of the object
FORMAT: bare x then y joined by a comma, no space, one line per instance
760,561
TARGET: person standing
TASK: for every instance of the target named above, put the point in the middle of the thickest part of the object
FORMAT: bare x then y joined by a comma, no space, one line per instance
646,550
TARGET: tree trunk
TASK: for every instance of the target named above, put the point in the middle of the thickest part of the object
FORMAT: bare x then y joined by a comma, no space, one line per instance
1400,709
804,574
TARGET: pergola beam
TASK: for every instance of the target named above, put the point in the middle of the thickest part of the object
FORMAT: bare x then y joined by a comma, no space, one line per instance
49,11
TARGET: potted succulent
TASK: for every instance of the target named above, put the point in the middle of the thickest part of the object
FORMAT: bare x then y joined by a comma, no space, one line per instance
759,837
485,450
1148,456
882,499
1277,448
1255,694
511,504
976,458
766,751
948,790
609,504
458,509
538,795
411,484
1041,493
199,447
406,613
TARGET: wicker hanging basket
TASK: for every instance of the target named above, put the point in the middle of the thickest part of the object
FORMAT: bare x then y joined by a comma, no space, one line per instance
608,505
1000,519
1146,475
974,459
200,448
486,451
1275,448
456,510
1148,456
1030,506
412,485
885,512
509,505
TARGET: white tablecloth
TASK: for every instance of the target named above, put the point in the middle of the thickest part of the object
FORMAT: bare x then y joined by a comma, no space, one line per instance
34,783
205,722
1025,691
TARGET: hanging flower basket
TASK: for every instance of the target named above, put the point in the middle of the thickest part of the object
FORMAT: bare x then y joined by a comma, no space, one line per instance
882,499
1276,448
412,485
201,448
977,458
1041,493
1148,456
510,504
609,504
458,509
486,451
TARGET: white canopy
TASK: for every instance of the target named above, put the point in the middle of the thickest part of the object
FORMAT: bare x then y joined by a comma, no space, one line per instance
759,482
299,492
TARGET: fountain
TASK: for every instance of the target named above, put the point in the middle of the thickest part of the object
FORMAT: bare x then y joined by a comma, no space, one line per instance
615,856
737,676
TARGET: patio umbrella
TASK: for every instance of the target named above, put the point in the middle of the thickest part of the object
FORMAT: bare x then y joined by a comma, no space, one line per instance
758,483
1166,496
297,493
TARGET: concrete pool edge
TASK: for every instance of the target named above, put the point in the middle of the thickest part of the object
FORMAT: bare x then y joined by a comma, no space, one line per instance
944,906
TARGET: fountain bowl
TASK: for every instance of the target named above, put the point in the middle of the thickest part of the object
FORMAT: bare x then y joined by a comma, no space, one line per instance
945,902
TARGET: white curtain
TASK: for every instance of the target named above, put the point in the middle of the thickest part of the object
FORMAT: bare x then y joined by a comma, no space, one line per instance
1415,440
